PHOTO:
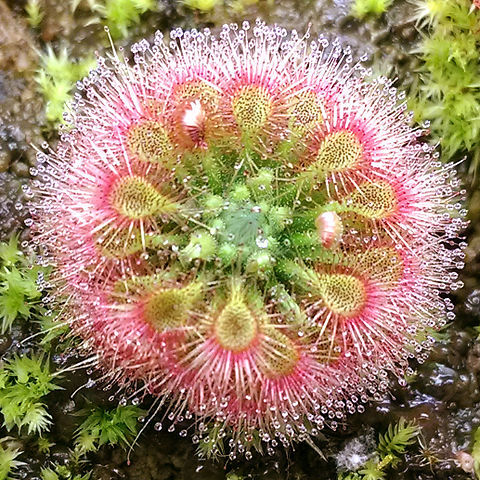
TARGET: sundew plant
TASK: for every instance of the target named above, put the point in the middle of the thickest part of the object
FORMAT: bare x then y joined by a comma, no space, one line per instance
246,230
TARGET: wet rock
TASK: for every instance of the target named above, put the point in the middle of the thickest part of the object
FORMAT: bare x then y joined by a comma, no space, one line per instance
21,118
458,347
456,387
60,454
105,472
10,194
21,114
473,359
5,342
439,381
472,304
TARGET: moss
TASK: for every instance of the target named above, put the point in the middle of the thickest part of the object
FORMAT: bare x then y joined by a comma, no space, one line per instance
363,8
113,427
120,15
202,5
8,459
447,92
392,445
56,80
35,13
24,382
19,289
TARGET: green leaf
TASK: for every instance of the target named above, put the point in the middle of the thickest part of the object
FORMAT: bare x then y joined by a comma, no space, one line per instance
24,381
9,252
113,427
50,326
398,437
371,471
36,419
18,287
8,459
48,474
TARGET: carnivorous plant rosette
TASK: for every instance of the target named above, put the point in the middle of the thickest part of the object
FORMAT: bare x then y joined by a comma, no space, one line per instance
245,228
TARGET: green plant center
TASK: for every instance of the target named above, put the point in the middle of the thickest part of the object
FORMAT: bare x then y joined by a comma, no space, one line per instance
244,223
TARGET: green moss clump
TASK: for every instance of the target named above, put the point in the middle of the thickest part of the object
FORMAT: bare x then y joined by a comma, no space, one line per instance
447,92
24,382
56,80
19,289
364,8
118,426
202,5
121,15
8,459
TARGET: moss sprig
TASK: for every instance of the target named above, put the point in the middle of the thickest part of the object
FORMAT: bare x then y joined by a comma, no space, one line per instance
117,426
56,80
35,12
120,15
391,446
365,8
19,288
8,459
24,384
